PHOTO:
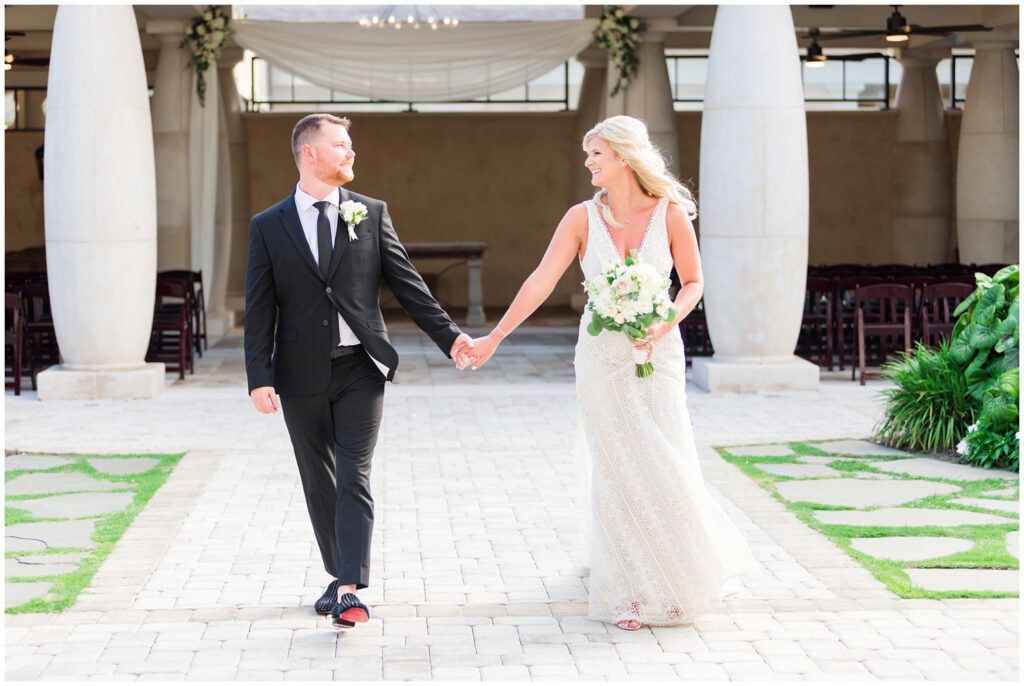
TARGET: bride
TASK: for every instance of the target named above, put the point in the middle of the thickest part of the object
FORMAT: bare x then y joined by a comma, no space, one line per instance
660,547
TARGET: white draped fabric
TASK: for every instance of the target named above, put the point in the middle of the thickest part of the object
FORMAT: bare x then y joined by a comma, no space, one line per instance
203,148
470,61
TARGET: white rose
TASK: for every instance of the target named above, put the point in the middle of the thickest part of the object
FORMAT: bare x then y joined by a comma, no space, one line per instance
620,13
201,30
218,23
208,15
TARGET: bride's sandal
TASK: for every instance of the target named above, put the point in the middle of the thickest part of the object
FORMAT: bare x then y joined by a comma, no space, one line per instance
630,624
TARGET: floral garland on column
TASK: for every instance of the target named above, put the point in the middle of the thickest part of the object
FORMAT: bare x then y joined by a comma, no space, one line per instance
620,33
205,40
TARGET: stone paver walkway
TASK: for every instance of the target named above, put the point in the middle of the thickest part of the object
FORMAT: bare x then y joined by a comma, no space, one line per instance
472,577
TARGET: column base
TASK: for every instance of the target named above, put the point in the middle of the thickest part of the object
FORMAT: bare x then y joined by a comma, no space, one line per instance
218,323
144,383
717,376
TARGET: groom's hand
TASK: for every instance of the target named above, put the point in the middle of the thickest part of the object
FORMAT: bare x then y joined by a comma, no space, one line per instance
461,348
264,399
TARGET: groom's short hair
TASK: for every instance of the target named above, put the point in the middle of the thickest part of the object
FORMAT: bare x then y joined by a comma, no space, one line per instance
309,126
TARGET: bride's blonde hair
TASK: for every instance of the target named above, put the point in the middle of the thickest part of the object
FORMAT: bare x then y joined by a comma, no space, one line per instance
628,137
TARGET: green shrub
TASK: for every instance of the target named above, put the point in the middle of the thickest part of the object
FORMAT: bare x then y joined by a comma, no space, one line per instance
992,447
930,407
986,343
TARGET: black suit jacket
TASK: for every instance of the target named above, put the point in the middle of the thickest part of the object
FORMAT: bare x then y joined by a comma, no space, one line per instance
288,302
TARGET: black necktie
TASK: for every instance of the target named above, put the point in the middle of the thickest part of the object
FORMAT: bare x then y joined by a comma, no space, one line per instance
323,236
325,250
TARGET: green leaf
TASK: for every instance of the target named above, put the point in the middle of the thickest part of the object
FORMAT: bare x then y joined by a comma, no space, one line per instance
983,338
999,410
1007,274
633,332
1009,383
966,303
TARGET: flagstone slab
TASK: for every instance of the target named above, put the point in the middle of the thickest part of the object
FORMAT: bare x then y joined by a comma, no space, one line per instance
817,459
989,504
60,482
779,450
859,448
861,492
42,565
20,593
932,468
798,470
123,465
1002,493
76,505
908,516
1013,543
911,547
74,534
996,580
12,462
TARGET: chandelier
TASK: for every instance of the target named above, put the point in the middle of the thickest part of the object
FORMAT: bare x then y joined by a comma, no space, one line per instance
409,16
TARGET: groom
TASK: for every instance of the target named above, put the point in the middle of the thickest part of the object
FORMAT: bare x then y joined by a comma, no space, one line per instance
316,344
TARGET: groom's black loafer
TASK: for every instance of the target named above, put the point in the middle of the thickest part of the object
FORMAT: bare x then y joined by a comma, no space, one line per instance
349,611
326,602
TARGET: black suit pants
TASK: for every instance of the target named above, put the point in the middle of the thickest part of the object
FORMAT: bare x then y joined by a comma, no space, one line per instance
334,434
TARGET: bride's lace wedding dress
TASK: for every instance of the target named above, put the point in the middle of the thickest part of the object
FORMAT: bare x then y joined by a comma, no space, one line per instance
660,548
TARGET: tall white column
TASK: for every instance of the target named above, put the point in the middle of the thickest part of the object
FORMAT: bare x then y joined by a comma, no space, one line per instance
921,178
988,173
238,153
589,111
172,96
649,96
754,203
100,208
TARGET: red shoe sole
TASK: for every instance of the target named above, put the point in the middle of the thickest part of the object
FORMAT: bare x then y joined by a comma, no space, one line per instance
354,615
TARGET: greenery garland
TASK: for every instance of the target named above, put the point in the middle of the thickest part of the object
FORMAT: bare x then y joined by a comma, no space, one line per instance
620,33
205,40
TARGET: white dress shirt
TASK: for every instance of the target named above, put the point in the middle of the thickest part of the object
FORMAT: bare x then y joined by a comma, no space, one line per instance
308,215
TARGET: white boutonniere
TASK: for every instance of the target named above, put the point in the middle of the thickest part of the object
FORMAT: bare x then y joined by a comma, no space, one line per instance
352,213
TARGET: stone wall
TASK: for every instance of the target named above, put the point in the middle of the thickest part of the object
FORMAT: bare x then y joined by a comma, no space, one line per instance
506,179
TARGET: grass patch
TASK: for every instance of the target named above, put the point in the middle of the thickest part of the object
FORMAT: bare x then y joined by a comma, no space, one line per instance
109,528
989,549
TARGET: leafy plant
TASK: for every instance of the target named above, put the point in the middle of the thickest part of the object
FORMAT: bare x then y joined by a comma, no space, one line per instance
991,446
620,33
986,342
929,408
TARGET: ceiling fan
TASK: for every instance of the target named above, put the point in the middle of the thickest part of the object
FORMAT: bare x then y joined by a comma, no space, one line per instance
899,30
10,60
816,57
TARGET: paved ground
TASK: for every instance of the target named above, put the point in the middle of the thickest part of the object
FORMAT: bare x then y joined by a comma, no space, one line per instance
472,574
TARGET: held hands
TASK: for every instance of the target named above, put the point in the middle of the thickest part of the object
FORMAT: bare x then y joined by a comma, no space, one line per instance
461,352
483,348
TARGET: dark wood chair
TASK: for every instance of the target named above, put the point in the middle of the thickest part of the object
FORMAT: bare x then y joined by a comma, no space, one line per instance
815,340
40,335
14,340
843,312
883,311
694,330
171,340
196,303
938,302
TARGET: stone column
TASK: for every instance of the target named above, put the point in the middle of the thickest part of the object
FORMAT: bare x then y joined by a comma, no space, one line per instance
238,153
920,181
100,208
172,96
987,175
649,96
754,203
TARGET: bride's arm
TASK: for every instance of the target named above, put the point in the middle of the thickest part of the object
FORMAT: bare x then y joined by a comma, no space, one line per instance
564,247
686,257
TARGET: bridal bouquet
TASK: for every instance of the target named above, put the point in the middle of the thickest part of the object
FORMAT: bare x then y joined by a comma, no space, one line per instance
629,297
